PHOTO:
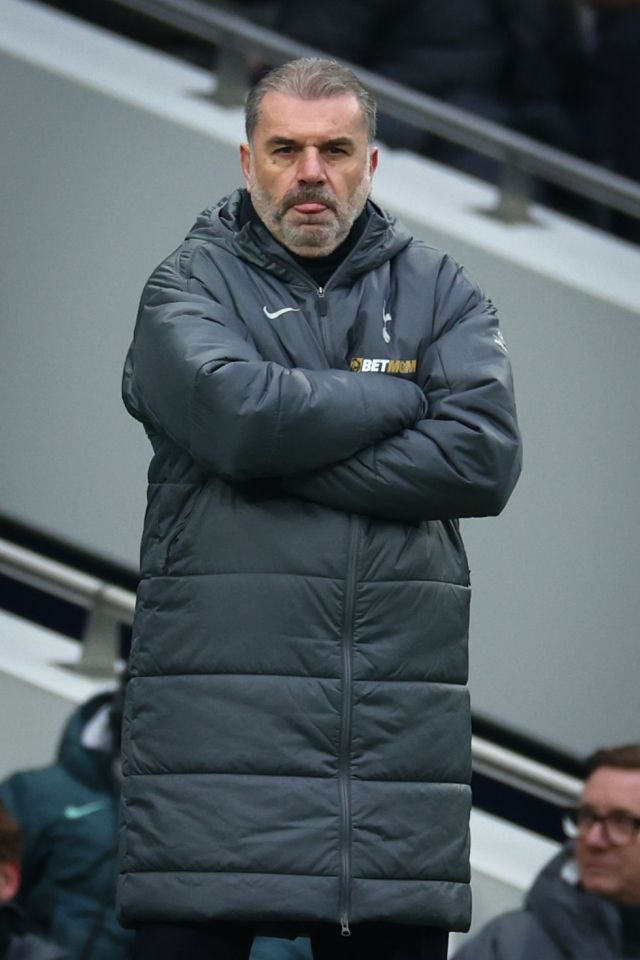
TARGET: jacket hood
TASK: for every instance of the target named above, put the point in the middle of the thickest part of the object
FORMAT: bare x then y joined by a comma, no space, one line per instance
220,224
582,924
91,766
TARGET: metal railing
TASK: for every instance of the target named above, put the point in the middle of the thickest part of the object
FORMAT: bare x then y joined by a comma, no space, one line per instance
241,44
109,606
518,771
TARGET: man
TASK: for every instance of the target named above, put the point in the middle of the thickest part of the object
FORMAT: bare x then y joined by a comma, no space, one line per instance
15,942
68,815
586,902
325,397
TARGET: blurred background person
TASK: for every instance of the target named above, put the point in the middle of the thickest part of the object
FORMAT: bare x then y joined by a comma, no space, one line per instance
616,41
585,904
68,815
16,943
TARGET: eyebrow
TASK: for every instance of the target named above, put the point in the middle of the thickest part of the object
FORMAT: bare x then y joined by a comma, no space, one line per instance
290,142
613,812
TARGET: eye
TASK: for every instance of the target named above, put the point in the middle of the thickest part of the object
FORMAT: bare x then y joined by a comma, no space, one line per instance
620,819
284,151
336,151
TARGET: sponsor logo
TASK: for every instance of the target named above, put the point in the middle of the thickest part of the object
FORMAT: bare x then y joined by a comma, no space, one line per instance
72,812
382,365
278,313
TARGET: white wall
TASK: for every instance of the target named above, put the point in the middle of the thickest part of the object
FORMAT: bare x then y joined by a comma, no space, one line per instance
109,152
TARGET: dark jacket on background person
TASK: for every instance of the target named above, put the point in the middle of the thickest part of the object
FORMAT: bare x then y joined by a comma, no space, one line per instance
560,921
451,50
296,733
68,814
16,943
617,74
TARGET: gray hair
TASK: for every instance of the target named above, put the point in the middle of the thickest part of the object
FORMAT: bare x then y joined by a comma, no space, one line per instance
310,78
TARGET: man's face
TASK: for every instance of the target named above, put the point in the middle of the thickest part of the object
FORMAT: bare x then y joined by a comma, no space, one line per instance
308,169
611,871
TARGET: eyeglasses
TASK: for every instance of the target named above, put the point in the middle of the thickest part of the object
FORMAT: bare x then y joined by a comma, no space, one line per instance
619,827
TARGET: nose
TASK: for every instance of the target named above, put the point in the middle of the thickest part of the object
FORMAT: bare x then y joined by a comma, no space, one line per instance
595,835
310,166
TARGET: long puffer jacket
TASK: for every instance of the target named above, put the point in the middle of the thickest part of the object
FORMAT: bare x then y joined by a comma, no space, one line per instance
296,730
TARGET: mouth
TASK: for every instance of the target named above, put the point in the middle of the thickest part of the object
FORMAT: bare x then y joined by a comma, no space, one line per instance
598,867
310,204
310,208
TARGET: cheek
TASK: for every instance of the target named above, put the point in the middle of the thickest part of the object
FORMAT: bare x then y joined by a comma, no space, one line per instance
578,850
631,864
275,183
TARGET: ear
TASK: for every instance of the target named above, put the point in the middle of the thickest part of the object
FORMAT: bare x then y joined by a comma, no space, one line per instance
373,161
245,162
9,880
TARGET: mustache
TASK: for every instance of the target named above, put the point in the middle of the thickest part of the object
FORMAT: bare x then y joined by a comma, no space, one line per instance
308,195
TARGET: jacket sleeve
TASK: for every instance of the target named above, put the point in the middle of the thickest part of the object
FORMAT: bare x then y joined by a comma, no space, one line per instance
517,935
463,458
483,946
193,373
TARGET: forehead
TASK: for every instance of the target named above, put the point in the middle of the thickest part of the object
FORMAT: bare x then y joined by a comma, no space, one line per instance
283,115
614,789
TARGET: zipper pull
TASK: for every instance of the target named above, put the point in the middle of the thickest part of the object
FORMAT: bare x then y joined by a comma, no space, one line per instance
344,927
323,301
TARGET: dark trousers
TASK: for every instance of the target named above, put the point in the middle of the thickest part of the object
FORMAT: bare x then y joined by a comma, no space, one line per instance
233,941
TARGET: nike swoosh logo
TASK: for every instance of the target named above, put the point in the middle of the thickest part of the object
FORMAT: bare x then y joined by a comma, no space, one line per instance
278,313
75,813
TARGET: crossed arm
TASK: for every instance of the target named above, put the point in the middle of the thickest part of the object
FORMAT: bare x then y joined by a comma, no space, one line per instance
363,443
193,373
461,460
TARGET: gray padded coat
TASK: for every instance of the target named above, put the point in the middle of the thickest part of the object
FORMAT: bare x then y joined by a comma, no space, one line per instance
561,921
296,732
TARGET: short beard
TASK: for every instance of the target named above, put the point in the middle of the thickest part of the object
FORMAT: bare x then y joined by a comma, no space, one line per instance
323,238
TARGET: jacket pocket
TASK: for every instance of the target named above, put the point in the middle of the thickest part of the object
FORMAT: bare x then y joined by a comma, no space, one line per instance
181,525
456,536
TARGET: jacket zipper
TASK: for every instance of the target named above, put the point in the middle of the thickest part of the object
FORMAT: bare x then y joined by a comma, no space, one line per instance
322,308
321,294
344,758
